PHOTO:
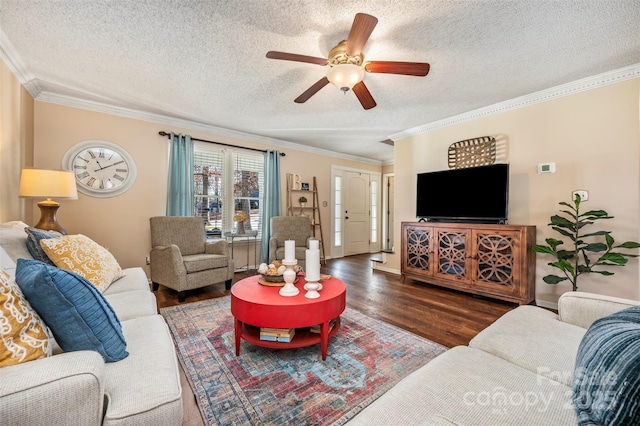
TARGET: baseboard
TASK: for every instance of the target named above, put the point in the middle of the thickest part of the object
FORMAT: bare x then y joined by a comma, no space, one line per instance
548,305
378,267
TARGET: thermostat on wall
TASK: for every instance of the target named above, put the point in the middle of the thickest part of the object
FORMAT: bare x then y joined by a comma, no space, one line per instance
546,168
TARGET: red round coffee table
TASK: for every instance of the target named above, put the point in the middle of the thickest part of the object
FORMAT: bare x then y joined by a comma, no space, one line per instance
254,305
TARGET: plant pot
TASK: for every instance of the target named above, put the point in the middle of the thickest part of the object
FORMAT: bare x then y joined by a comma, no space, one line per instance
240,228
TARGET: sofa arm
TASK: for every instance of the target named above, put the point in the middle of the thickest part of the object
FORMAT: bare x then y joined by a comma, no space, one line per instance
582,309
166,264
63,389
217,247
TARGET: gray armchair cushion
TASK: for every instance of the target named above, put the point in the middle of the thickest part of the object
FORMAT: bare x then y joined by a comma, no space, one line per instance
201,262
284,228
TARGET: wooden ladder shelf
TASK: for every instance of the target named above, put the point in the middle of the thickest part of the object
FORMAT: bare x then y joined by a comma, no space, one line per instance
316,222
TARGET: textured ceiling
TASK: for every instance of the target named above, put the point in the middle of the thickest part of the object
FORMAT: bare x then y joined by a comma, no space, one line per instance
204,61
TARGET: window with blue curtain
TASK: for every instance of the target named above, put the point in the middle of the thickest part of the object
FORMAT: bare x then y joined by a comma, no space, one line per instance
228,182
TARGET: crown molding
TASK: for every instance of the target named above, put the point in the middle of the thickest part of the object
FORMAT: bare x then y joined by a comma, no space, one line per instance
189,124
589,83
10,57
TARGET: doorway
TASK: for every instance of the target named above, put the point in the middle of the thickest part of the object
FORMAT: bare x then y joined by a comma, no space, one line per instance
356,213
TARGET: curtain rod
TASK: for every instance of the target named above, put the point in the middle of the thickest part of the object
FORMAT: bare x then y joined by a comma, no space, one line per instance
168,135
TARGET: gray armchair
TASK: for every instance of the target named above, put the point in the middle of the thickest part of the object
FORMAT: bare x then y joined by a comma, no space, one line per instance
182,259
284,228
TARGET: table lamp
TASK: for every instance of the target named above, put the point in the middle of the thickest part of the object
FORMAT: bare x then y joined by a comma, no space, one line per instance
40,183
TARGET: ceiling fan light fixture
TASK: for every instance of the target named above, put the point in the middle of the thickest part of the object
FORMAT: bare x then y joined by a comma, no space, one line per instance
345,76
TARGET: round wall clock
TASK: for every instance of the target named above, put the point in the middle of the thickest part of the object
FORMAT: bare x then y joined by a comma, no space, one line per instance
102,169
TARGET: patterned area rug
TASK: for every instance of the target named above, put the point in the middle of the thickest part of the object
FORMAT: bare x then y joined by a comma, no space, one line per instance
262,386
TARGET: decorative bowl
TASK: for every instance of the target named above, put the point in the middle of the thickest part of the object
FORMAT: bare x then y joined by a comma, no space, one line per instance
273,278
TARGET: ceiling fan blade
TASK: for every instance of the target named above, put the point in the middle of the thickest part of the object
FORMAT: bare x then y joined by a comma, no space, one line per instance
312,90
295,57
361,29
364,96
419,69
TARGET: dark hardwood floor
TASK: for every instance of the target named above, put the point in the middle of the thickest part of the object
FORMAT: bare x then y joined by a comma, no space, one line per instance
441,315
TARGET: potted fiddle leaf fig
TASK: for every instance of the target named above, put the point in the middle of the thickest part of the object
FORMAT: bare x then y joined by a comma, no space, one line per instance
586,252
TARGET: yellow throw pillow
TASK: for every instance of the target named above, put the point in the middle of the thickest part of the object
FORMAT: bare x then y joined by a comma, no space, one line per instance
23,334
85,257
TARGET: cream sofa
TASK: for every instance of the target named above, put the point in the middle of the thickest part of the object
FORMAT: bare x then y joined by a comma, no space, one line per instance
518,371
79,388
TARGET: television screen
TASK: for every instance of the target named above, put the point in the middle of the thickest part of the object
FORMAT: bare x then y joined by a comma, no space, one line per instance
479,194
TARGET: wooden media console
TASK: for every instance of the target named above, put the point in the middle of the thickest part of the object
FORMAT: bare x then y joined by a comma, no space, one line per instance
496,261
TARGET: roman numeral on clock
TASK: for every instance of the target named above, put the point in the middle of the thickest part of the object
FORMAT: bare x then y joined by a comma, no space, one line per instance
82,175
91,181
120,178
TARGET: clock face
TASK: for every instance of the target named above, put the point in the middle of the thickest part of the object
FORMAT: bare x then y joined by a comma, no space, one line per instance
102,169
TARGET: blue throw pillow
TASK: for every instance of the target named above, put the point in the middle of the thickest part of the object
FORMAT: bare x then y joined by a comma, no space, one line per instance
77,314
34,235
606,386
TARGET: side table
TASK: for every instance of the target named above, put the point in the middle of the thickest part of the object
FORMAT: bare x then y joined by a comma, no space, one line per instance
233,236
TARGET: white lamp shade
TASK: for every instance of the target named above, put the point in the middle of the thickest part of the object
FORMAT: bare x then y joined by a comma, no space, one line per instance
345,76
41,183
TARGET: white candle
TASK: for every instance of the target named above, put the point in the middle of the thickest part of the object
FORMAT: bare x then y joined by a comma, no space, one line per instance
314,244
312,258
290,250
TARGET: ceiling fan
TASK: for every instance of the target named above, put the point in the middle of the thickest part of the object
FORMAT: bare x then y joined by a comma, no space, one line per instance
347,65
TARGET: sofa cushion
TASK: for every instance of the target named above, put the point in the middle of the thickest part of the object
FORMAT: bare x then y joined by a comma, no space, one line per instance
80,254
77,314
23,334
34,235
203,262
150,373
522,337
14,240
606,390
132,304
134,279
467,386
7,264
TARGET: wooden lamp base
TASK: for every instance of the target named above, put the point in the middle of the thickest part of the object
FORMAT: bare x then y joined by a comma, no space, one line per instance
48,221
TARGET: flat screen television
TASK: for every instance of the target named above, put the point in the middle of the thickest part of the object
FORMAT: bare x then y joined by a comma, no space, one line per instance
475,194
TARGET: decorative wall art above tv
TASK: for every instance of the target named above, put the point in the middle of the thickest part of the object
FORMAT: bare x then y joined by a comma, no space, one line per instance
474,152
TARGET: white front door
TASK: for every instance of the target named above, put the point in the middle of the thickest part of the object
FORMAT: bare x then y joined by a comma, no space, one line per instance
357,217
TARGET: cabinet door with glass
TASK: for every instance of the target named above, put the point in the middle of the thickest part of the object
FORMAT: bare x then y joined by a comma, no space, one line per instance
417,246
497,260
452,254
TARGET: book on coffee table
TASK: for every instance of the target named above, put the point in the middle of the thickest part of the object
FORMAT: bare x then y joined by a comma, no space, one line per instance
316,328
277,334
